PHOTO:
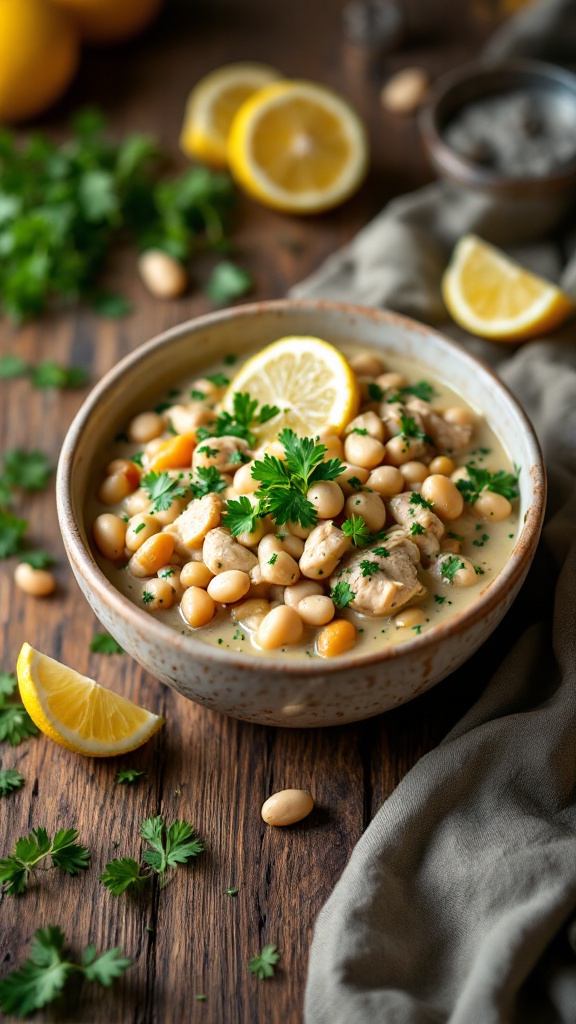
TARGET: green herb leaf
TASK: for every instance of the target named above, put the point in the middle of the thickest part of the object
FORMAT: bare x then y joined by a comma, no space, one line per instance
284,484
423,390
480,480
29,470
103,643
207,481
228,282
31,850
171,845
12,366
50,375
370,568
10,780
356,528
12,531
128,776
240,516
162,490
111,305
15,723
8,684
449,567
37,559
342,594
264,963
121,874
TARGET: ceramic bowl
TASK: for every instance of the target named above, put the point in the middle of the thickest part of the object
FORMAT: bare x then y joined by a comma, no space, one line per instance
525,206
275,690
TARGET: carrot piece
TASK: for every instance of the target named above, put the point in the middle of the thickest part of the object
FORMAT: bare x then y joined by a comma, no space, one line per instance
175,453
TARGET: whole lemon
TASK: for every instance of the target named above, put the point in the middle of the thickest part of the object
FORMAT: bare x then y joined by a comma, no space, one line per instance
38,57
109,21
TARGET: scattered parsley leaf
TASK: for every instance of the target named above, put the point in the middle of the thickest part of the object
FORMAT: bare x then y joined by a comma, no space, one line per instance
342,594
207,481
240,516
232,892
219,380
111,305
197,396
239,422
31,850
162,490
439,598
284,484
171,845
355,483
28,470
147,597
480,480
127,776
12,366
228,282
417,499
230,358
273,559
423,390
409,428
381,552
103,643
375,392
50,375
42,978
356,528
370,568
416,529
8,684
15,722
263,964
10,780
12,531
450,567
121,874
37,559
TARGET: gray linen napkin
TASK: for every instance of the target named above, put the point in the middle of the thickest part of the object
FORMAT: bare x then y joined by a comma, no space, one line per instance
453,908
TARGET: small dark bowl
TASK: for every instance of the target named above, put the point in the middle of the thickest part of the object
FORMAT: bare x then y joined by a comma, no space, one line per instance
543,199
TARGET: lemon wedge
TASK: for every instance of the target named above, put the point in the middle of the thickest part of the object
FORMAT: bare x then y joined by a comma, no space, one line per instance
78,713
495,297
308,379
298,147
211,107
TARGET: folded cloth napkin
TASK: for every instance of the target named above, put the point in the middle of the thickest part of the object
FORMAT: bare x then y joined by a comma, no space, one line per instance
455,905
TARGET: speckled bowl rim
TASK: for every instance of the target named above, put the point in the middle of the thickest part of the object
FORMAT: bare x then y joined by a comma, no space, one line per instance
456,167
82,560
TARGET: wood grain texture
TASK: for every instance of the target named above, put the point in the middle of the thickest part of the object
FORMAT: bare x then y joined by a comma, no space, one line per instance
190,938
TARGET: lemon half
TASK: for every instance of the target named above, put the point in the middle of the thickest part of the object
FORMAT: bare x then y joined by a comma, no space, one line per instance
78,713
307,378
298,147
494,297
212,105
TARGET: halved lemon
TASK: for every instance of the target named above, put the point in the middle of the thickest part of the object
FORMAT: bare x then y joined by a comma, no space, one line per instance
308,379
494,297
211,107
78,713
298,147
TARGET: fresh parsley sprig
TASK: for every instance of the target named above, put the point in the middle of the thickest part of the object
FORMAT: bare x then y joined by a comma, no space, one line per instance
103,643
342,594
284,483
162,490
171,845
128,776
240,421
15,722
43,977
450,566
207,481
356,529
263,965
480,480
10,781
31,850
46,374
240,516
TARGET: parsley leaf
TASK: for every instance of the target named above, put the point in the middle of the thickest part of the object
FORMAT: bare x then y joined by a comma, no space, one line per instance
450,566
409,428
417,499
342,594
28,470
162,490
284,484
244,416
208,480
171,845
10,780
8,684
264,963
12,366
480,480
37,559
15,722
416,529
12,531
423,390
121,874
356,528
228,282
240,516
381,552
42,978
375,391
127,776
30,850
370,568
103,643
50,375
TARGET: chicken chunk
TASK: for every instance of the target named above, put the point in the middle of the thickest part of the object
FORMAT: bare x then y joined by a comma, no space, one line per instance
447,437
225,453
418,521
323,550
382,583
221,551
201,515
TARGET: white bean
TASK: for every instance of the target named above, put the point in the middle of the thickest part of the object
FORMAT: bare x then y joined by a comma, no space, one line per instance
287,807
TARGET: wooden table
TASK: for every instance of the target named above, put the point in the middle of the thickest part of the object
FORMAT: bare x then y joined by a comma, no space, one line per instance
191,938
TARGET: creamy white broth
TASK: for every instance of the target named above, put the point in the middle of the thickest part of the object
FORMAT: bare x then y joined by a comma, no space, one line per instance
487,544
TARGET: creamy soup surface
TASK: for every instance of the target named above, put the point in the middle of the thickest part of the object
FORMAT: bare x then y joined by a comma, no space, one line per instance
390,553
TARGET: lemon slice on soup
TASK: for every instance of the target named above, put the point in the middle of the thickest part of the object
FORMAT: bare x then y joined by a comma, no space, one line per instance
492,296
78,713
212,105
307,379
297,146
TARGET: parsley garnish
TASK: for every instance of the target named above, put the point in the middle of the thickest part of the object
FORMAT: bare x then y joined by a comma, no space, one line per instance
37,559
10,781
264,963
381,552
12,366
207,481
162,490
273,559
165,574
171,845
15,722
219,380
228,282
28,470
416,529
240,516
198,396
342,594
31,850
355,483
356,528
370,568
128,776
147,597
480,480
284,484
439,598
244,416
450,567
103,643
42,978
359,430
417,499
46,375
423,390
375,392
409,428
